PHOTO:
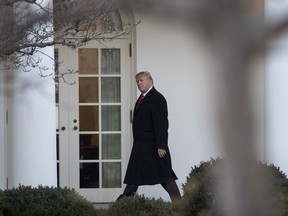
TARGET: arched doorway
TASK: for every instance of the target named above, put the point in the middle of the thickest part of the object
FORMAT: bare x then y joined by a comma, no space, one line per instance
93,102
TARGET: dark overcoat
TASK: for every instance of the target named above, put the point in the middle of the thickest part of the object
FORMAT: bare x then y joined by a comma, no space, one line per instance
150,132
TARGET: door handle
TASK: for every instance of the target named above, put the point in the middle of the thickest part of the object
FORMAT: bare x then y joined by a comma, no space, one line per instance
75,128
63,128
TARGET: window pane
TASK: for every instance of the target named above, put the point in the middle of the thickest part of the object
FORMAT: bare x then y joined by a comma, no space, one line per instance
89,175
58,177
110,61
111,21
89,146
110,89
56,68
111,118
56,92
89,119
111,146
88,61
111,175
88,89
57,146
57,118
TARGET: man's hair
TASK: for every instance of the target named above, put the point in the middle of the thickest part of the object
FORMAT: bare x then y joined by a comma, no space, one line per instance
144,73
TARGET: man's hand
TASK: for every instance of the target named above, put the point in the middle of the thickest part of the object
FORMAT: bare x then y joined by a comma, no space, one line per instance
161,152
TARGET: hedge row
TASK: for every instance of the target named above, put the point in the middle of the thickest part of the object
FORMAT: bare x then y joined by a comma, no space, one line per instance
199,198
44,201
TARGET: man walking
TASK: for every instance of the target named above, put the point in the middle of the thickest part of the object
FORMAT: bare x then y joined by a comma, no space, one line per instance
150,160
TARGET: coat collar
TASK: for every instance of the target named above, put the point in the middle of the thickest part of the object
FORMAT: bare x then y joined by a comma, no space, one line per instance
147,96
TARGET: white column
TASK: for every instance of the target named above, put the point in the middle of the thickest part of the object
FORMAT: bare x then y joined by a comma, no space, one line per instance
276,90
32,129
3,150
32,125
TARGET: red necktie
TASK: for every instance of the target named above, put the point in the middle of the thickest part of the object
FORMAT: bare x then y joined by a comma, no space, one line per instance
140,99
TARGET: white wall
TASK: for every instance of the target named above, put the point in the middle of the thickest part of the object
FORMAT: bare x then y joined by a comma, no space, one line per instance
183,72
276,89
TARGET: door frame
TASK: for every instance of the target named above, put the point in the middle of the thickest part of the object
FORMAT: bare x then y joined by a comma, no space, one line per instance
69,175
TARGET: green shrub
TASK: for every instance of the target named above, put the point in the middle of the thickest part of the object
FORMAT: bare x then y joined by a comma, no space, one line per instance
199,190
44,201
140,206
100,212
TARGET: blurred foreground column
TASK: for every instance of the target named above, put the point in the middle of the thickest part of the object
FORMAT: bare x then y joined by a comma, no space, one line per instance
276,90
32,124
32,129
3,150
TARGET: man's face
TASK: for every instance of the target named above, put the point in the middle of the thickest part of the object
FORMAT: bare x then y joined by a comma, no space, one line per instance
143,83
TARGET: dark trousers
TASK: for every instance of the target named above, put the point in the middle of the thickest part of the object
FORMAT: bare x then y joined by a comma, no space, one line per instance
170,186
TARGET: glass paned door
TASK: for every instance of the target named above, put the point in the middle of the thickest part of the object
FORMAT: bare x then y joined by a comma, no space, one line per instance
96,115
93,113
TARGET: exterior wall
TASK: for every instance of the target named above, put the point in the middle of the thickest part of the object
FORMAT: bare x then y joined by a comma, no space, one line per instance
182,68
276,88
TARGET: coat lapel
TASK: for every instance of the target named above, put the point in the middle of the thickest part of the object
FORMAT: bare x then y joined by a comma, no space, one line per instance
147,96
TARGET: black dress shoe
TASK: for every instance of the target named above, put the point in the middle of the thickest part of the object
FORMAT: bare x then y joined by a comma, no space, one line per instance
120,197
